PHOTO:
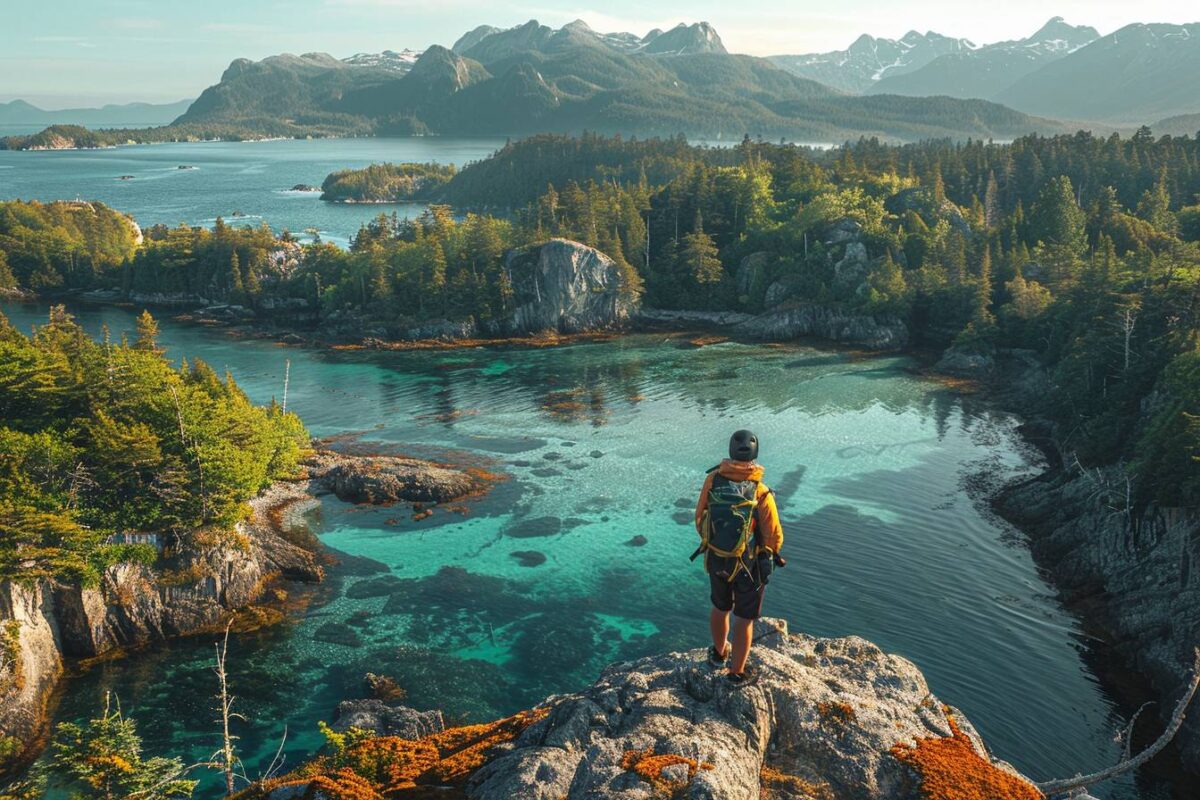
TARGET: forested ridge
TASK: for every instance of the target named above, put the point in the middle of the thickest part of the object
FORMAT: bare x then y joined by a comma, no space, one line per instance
1079,249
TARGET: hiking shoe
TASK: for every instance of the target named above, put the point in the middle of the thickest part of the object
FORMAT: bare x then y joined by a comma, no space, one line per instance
748,677
715,658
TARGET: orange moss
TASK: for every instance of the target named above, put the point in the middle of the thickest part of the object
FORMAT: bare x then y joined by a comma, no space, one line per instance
704,341
774,783
388,766
464,749
950,769
343,784
484,476
649,767
838,713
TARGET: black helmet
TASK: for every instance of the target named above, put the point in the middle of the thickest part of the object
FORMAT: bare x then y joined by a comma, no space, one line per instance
743,446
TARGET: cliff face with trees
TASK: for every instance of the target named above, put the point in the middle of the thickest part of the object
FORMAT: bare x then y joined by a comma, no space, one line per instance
124,484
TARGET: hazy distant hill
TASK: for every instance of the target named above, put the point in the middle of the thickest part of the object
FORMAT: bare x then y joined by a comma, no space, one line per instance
1135,75
1181,125
288,87
986,71
534,78
19,112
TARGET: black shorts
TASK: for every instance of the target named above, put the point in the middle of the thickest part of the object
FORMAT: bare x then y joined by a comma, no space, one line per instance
743,595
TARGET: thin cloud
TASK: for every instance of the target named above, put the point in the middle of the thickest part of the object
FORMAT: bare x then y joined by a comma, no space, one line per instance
236,27
78,41
138,23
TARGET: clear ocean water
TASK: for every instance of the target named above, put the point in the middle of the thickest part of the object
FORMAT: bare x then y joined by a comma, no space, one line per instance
225,178
877,470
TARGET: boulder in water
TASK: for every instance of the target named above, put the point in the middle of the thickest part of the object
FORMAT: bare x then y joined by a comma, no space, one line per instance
386,720
387,479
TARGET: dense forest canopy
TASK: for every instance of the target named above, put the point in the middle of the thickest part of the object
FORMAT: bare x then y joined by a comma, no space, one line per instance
52,245
98,438
1082,250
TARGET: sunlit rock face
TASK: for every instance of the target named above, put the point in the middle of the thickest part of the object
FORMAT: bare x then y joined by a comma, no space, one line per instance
567,287
839,717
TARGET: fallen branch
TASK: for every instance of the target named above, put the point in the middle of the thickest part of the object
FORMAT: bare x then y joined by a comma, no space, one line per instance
1068,785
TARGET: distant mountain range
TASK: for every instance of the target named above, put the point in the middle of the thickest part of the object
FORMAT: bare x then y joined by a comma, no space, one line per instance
19,112
1133,76
869,60
534,78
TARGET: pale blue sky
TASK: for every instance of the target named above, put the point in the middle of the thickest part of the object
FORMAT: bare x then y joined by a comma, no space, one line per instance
69,52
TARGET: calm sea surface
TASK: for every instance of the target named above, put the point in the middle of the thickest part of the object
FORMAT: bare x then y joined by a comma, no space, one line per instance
875,469
600,443
247,183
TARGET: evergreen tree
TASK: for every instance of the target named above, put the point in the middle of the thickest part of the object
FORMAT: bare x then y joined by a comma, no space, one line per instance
982,315
991,202
7,279
1155,206
103,760
147,334
887,287
233,282
699,255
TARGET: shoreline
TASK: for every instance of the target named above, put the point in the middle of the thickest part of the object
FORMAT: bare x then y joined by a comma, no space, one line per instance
1126,687
56,663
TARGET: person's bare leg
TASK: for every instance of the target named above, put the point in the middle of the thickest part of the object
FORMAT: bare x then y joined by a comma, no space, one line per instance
743,634
718,623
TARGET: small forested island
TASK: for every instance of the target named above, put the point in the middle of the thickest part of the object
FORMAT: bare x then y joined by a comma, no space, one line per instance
387,183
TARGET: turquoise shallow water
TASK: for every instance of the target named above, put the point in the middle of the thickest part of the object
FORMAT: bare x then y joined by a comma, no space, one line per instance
254,178
874,469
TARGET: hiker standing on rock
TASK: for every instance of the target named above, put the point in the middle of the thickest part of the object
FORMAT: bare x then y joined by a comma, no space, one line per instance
740,537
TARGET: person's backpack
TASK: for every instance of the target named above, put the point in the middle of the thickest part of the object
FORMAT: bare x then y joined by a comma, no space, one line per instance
727,524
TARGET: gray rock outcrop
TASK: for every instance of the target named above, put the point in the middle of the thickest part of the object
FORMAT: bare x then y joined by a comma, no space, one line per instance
387,479
386,720
1134,572
965,364
567,287
792,321
876,331
135,605
826,712
30,659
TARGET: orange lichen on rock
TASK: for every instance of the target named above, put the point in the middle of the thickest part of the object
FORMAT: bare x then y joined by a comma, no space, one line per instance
649,767
343,784
775,783
465,749
388,766
838,712
950,769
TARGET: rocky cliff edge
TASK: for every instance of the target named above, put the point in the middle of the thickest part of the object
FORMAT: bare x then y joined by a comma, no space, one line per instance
827,718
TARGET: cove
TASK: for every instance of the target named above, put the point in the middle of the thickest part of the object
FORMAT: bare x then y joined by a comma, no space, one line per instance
879,474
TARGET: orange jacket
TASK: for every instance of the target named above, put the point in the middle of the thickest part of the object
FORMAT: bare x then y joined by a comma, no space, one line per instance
767,529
